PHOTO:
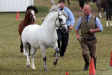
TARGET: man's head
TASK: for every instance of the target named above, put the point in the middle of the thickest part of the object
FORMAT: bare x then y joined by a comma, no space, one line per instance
86,10
62,2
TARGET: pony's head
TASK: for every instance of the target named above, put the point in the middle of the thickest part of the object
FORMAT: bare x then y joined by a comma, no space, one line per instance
30,15
61,21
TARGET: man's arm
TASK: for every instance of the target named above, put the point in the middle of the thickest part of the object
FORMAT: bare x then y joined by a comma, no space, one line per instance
99,26
77,33
77,28
94,30
72,19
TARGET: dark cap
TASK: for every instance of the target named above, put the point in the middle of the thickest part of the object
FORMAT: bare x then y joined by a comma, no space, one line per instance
61,1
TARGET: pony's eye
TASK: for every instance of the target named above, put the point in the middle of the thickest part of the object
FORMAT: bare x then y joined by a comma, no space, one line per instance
29,13
60,20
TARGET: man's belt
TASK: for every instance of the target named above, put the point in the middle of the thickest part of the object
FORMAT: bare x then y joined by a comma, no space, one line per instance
89,39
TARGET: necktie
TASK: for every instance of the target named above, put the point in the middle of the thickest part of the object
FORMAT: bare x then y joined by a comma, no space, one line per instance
87,18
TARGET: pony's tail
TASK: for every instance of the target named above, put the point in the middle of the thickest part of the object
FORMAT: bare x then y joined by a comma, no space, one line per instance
21,47
29,47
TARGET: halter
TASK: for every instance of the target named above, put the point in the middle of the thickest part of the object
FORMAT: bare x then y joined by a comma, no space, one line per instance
59,21
61,25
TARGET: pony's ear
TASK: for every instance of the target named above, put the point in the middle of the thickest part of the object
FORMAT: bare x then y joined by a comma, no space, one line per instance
64,14
59,12
53,2
54,7
57,6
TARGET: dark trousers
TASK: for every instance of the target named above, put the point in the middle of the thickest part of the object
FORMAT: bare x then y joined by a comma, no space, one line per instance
62,41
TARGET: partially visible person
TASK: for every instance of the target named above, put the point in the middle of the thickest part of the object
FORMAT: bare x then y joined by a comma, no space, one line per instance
88,24
64,37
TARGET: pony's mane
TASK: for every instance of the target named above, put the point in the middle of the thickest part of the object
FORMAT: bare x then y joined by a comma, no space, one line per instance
50,14
54,9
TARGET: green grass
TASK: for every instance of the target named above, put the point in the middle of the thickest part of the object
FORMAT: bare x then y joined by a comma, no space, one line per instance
12,62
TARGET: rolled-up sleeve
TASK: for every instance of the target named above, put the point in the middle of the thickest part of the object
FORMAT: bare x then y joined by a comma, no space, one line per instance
98,24
72,19
78,24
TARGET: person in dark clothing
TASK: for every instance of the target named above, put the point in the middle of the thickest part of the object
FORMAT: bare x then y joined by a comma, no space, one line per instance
64,37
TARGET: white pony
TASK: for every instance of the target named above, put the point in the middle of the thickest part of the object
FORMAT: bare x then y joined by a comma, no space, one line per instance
44,36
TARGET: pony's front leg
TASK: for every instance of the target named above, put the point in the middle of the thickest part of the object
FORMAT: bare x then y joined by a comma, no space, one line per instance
106,23
44,57
56,58
32,56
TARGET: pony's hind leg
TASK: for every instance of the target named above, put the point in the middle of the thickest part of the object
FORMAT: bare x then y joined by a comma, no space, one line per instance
29,47
32,57
21,47
107,19
27,52
100,14
99,8
106,23
44,58
110,23
110,20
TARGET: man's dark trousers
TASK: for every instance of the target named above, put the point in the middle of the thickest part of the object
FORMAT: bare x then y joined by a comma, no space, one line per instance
63,39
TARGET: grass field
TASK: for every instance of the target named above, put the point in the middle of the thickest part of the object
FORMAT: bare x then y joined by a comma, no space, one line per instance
12,62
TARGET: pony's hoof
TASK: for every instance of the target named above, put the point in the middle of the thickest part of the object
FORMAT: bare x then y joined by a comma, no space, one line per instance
107,26
33,68
46,69
25,54
55,63
28,66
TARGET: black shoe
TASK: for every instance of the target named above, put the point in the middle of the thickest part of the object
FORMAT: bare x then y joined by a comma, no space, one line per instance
86,67
61,55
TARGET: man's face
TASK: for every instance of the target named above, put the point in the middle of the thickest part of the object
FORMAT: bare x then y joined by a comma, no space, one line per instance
86,11
62,5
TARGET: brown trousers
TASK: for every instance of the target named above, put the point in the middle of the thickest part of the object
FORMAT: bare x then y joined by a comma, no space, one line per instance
90,48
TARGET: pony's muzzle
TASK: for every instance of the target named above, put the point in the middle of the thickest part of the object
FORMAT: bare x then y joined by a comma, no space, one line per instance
34,19
64,28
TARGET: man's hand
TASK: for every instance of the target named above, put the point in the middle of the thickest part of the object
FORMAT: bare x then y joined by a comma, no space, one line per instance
78,37
71,27
77,33
91,30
